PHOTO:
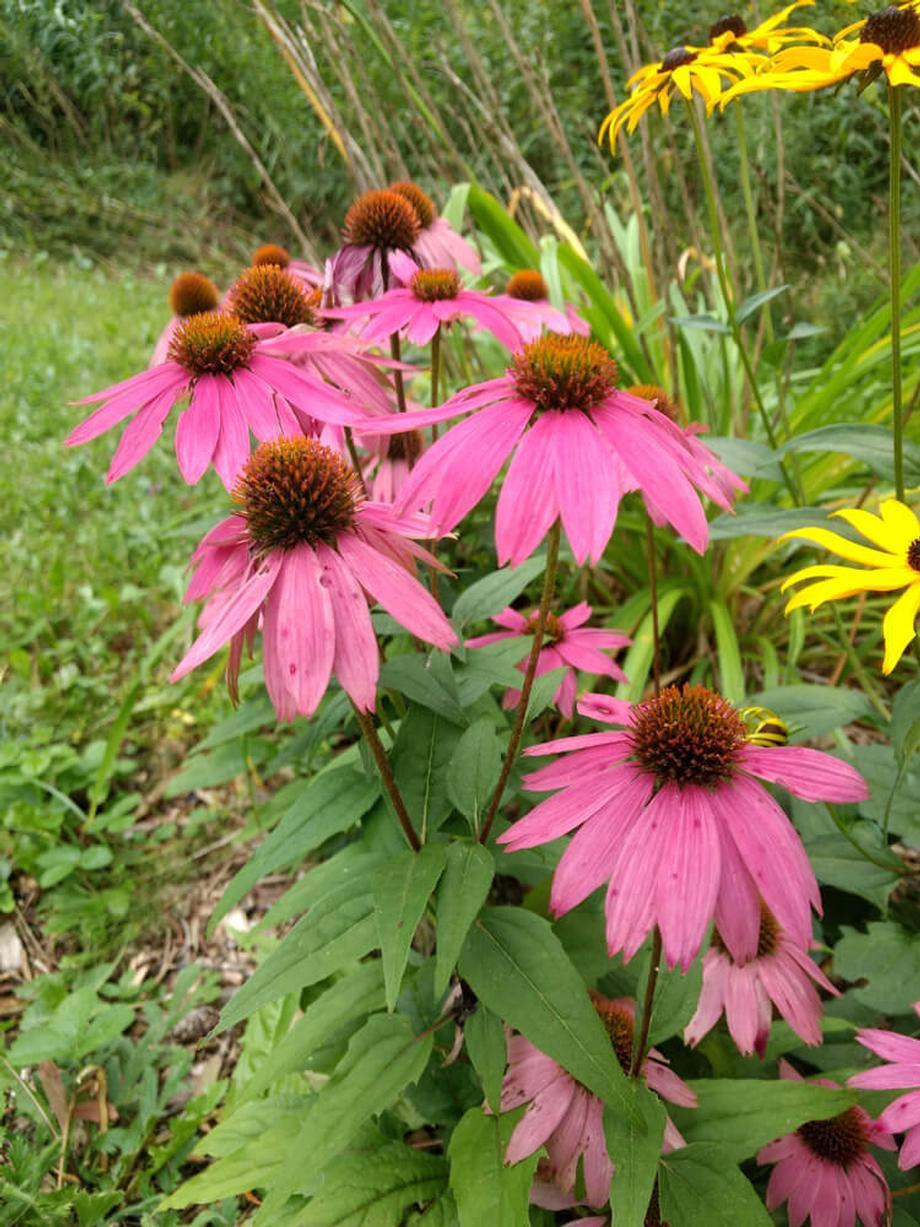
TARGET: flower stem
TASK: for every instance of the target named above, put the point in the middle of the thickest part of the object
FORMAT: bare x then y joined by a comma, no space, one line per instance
735,327
435,375
857,666
397,374
353,455
759,273
894,275
366,725
640,1044
653,587
517,730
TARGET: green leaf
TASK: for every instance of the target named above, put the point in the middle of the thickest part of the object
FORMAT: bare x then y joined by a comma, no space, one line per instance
887,959
765,520
509,240
441,1213
463,890
543,692
635,1156
493,665
402,888
425,680
382,1059
356,994
333,802
610,324
731,671
894,789
863,441
702,323
485,1190
495,592
697,1186
518,967
484,1037
743,1114
905,712
837,863
425,745
753,304
340,928
745,456
474,770
813,710
375,1190
638,660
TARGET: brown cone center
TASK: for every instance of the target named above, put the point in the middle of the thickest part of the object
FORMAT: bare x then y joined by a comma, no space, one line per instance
841,1140
688,735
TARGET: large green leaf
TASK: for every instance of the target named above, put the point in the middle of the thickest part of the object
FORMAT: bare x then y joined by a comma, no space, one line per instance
743,1114
376,1189
765,520
402,888
341,928
463,890
333,802
635,1156
382,1059
518,967
425,744
837,862
885,960
812,711
698,1185
509,240
484,1037
485,1190
355,995
428,681
474,770
497,590
863,441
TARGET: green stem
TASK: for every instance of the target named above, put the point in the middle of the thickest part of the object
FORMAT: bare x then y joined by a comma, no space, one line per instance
851,839
857,666
397,373
653,588
713,213
640,1043
366,725
353,454
894,274
520,716
747,193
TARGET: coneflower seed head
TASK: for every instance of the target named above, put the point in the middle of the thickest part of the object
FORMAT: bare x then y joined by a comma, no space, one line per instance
381,219
527,284
688,735
564,372
435,284
267,294
193,293
296,491
213,343
842,1140
271,253
421,202
663,403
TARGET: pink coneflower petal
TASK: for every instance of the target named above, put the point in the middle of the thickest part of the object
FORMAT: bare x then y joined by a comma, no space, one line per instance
139,436
688,873
299,635
590,858
597,1165
397,591
888,1077
581,765
542,1117
587,484
232,450
737,913
810,774
527,505
566,1145
890,1046
561,813
198,430
910,1151
124,397
357,662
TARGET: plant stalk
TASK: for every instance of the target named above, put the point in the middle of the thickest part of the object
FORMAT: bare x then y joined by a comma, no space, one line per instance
397,373
653,587
520,715
366,725
894,275
640,1043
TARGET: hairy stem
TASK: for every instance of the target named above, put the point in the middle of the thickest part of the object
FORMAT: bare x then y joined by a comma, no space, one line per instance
520,715
640,1042
366,725
397,374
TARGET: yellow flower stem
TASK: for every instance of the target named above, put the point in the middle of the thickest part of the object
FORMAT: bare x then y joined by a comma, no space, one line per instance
709,190
894,275
756,251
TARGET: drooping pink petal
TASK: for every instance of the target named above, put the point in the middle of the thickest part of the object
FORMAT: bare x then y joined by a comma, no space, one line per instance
588,489
565,1145
123,398
716,969
357,660
598,1168
298,635
889,1045
587,658
747,1009
630,905
541,1118
737,904
139,436
198,429
560,814
232,449
581,765
887,1077
810,774
528,504
234,614
688,874
668,1085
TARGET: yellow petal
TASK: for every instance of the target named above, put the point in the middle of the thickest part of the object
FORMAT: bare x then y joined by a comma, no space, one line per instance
709,83
849,583
860,581
846,549
902,520
898,626
874,529
682,79
816,58
899,72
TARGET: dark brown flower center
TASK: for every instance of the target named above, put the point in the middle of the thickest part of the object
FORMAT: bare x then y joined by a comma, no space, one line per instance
294,492
842,1140
553,630
267,294
564,372
618,1023
677,57
212,343
688,735
421,202
767,939
894,29
527,284
193,293
385,220
913,555
271,253
407,446
435,284
663,403
733,24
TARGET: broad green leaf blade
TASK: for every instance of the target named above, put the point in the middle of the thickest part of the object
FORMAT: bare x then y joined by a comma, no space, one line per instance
518,967
484,1037
474,770
811,711
731,670
697,1185
495,592
886,958
425,745
342,927
383,1058
420,680
333,802
742,1114
635,1155
463,890
543,692
355,995
485,1190
863,441
510,241
370,1190
402,888
753,304
766,520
